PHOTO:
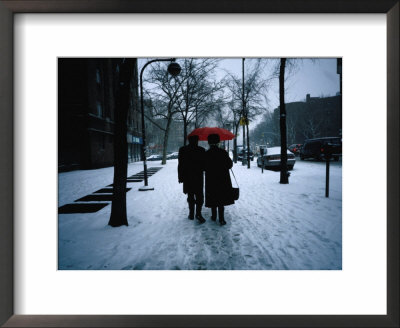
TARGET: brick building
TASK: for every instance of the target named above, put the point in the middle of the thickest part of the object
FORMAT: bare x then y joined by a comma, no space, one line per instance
312,118
86,113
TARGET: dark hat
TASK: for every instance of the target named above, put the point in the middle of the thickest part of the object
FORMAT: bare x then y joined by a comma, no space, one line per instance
213,139
193,140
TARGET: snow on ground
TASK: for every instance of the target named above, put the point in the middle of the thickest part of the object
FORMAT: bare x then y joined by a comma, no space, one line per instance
271,227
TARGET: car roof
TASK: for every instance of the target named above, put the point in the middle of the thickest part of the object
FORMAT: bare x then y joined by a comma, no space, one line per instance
276,150
324,138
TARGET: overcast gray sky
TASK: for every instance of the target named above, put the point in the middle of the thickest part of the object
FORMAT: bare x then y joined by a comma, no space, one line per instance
317,77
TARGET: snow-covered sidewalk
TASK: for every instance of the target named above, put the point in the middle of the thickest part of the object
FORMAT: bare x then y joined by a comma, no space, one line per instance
271,226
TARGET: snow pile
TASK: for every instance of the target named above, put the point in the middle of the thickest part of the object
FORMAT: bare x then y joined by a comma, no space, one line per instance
275,151
271,227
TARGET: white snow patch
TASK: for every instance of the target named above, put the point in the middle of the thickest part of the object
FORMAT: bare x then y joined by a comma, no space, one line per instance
272,226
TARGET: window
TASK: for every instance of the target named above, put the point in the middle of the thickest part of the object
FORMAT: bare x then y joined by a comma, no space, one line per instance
103,142
99,109
98,78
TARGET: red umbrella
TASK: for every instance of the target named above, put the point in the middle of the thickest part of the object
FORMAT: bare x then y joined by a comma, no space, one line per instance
203,133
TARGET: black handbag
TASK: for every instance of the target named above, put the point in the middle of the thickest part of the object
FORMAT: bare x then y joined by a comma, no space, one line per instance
235,191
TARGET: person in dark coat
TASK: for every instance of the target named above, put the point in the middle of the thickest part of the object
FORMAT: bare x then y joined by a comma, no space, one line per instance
191,173
218,181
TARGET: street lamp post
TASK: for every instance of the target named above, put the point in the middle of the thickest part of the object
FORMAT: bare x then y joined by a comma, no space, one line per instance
174,69
244,158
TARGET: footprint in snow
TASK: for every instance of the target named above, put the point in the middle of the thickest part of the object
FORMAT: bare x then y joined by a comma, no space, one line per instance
319,237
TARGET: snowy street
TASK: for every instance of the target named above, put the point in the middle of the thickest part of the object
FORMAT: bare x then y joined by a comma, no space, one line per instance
271,227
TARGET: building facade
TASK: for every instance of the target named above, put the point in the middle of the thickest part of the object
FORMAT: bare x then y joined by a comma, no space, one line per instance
313,118
86,106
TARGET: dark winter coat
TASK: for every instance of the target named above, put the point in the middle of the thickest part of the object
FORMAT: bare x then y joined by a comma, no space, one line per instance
218,180
191,168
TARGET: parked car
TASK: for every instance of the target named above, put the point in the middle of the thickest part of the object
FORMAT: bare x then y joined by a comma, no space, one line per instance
258,149
318,148
272,159
154,158
295,148
173,155
240,154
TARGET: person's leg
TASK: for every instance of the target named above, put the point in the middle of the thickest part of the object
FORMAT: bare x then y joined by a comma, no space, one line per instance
221,215
213,213
199,205
191,202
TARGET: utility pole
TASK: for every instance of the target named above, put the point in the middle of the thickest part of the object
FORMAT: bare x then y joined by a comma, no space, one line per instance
248,142
229,129
235,130
243,116
247,126
339,71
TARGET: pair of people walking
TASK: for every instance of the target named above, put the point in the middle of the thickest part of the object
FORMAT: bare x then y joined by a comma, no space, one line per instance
193,161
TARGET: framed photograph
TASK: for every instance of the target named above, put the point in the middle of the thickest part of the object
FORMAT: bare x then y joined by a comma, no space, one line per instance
176,137
315,260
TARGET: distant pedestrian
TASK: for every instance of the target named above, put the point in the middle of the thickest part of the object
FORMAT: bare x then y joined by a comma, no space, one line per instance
191,173
218,181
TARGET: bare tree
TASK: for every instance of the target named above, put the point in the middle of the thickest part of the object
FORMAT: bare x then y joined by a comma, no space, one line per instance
291,129
252,94
222,115
127,76
235,114
196,99
266,131
165,91
283,67
311,127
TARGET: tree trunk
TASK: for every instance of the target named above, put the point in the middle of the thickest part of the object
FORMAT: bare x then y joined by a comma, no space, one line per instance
186,114
243,146
195,121
235,143
185,124
118,207
284,176
165,143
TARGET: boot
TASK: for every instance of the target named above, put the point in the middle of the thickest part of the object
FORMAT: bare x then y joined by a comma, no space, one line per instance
198,214
191,211
221,215
214,213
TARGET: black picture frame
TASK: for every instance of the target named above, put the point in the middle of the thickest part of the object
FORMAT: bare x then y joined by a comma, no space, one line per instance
10,7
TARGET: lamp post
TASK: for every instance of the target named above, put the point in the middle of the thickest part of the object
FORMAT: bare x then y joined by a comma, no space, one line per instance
244,158
174,69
